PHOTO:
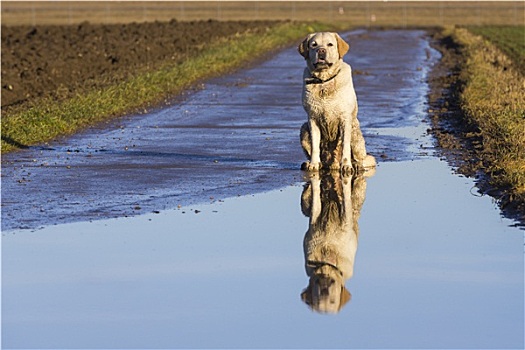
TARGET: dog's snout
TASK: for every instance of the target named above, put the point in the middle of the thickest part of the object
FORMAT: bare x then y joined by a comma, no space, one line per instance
321,52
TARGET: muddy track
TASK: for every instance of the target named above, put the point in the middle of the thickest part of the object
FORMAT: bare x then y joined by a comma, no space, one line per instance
60,61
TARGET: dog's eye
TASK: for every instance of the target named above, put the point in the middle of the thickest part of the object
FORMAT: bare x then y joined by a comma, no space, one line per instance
313,44
330,44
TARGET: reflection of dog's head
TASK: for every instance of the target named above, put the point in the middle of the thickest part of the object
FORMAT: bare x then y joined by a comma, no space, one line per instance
322,50
326,291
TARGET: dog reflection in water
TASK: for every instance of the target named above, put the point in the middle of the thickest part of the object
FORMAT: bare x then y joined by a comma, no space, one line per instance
330,244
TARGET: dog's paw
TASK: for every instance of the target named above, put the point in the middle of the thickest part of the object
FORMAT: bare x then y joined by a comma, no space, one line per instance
309,166
369,166
369,162
347,170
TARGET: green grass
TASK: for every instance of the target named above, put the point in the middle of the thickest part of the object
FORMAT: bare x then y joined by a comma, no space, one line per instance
49,119
493,99
509,39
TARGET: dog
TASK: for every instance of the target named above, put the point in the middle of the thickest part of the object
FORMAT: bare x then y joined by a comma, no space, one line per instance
332,137
333,203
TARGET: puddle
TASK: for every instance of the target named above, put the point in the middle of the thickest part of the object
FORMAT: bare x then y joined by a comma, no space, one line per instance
437,262
425,262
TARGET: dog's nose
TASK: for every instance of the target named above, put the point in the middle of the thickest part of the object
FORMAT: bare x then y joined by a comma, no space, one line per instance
321,52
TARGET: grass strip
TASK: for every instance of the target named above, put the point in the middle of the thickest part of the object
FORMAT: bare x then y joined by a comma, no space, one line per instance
493,99
509,39
49,119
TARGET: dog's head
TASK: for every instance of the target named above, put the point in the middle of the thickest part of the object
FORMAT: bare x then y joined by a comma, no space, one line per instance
322,50
326,292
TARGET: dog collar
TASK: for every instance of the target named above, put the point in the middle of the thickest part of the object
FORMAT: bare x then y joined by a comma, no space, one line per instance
315,80
318,264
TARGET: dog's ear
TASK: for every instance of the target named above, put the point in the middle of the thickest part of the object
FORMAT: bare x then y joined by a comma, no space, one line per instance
342,46
345,297
303,46
306,296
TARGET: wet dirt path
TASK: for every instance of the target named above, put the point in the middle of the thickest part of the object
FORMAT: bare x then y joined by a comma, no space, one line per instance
238,135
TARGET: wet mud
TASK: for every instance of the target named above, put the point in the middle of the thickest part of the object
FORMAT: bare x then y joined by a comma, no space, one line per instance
457,140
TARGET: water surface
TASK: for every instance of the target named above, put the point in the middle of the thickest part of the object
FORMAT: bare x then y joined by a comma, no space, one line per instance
437,268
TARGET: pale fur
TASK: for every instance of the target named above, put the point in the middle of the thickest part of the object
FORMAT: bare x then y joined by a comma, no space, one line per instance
333,205
332,136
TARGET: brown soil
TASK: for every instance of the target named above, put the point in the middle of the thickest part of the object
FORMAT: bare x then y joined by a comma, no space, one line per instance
59,61
454,135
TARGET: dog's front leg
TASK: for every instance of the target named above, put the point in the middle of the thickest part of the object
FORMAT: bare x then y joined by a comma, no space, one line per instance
315,157
346,166
316,198
347,199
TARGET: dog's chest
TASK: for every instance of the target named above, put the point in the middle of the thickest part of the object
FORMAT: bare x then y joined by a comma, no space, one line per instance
325,102
321,94
324,91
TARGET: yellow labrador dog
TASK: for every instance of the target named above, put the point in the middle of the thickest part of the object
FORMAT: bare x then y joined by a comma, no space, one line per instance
330,244
332,138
